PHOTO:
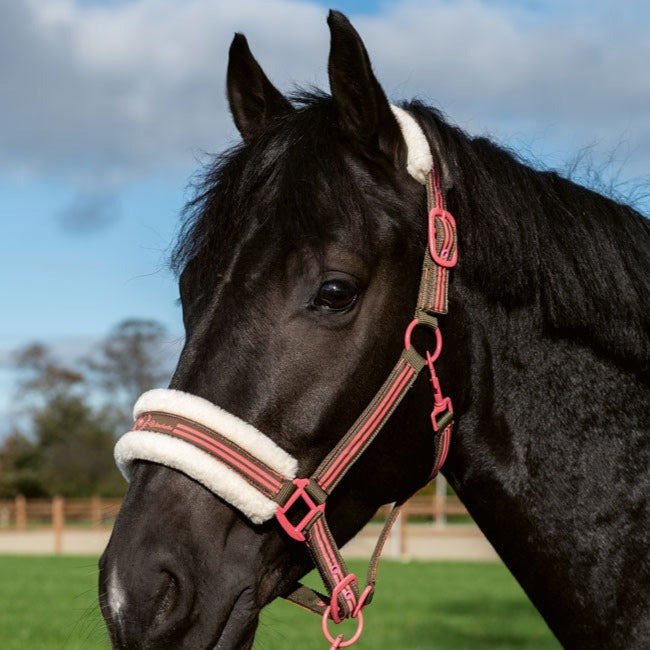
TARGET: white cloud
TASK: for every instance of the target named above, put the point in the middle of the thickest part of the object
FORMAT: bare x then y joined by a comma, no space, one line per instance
94,92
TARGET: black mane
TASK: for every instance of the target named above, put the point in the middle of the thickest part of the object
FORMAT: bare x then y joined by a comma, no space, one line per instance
280,184
528,236
537,237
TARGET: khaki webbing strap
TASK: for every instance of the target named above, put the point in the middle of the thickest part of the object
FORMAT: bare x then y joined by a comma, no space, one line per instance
391,518
426,319
432,275
433,294
435,197
307,598
442,442
370,422
270,483
340,583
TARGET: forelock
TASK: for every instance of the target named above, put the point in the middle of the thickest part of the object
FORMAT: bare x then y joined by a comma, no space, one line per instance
294,181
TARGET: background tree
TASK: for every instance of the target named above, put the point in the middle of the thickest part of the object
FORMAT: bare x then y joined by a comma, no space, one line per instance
61,446
72,411
76,449
130,361
41,376
21,464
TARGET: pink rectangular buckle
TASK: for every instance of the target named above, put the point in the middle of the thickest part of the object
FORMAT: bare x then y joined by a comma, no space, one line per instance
295,532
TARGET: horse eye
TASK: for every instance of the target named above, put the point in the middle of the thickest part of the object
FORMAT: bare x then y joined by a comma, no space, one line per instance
336,295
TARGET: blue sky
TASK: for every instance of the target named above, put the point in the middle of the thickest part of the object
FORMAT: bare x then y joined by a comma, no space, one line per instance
109,107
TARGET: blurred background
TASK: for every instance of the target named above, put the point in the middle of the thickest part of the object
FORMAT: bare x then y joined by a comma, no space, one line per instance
107,110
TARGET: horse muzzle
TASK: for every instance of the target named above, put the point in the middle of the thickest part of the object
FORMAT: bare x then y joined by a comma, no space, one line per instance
160,590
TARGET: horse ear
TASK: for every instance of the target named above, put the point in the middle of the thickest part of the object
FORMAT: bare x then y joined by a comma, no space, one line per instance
253,99
364,112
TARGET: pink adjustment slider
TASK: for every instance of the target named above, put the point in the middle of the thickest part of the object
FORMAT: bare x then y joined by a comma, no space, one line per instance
440,402
295,532
449,225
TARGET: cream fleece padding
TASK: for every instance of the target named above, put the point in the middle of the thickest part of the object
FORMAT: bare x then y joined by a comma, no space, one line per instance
207,470
214,417
201,466
419,161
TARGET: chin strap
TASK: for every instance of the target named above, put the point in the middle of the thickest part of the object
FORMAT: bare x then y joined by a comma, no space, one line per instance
299,503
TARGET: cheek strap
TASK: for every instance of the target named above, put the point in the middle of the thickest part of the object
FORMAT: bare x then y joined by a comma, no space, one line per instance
242,465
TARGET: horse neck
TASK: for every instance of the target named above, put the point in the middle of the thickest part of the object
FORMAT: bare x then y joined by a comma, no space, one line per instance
550,458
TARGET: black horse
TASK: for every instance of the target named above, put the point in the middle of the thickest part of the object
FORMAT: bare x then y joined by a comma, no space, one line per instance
299,268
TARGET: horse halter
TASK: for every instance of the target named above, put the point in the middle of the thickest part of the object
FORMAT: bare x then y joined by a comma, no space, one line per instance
248,470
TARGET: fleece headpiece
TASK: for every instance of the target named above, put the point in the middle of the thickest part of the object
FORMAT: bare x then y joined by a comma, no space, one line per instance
419,159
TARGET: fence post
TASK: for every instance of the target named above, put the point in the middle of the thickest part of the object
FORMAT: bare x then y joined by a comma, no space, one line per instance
397,537
440,502
96,511
58,520
5,516
21,512
403,521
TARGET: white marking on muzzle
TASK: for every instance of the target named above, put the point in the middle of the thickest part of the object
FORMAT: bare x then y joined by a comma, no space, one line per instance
116,598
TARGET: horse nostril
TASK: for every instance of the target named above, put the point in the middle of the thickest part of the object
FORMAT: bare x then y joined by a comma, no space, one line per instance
171,600
168,594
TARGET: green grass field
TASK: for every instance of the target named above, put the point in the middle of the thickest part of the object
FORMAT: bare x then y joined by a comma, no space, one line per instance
49,603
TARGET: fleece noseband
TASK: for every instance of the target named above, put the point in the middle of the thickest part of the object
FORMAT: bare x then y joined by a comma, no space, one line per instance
248,470
161,437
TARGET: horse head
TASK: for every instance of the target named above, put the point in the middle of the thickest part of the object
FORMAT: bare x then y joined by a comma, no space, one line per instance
299,268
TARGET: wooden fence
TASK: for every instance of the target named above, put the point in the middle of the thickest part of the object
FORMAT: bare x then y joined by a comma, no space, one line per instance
23,514
425,514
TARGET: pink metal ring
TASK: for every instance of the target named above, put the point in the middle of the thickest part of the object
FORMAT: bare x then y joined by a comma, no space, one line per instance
409,331
341,644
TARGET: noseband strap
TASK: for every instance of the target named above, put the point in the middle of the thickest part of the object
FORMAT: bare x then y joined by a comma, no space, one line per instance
219,450
247,469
